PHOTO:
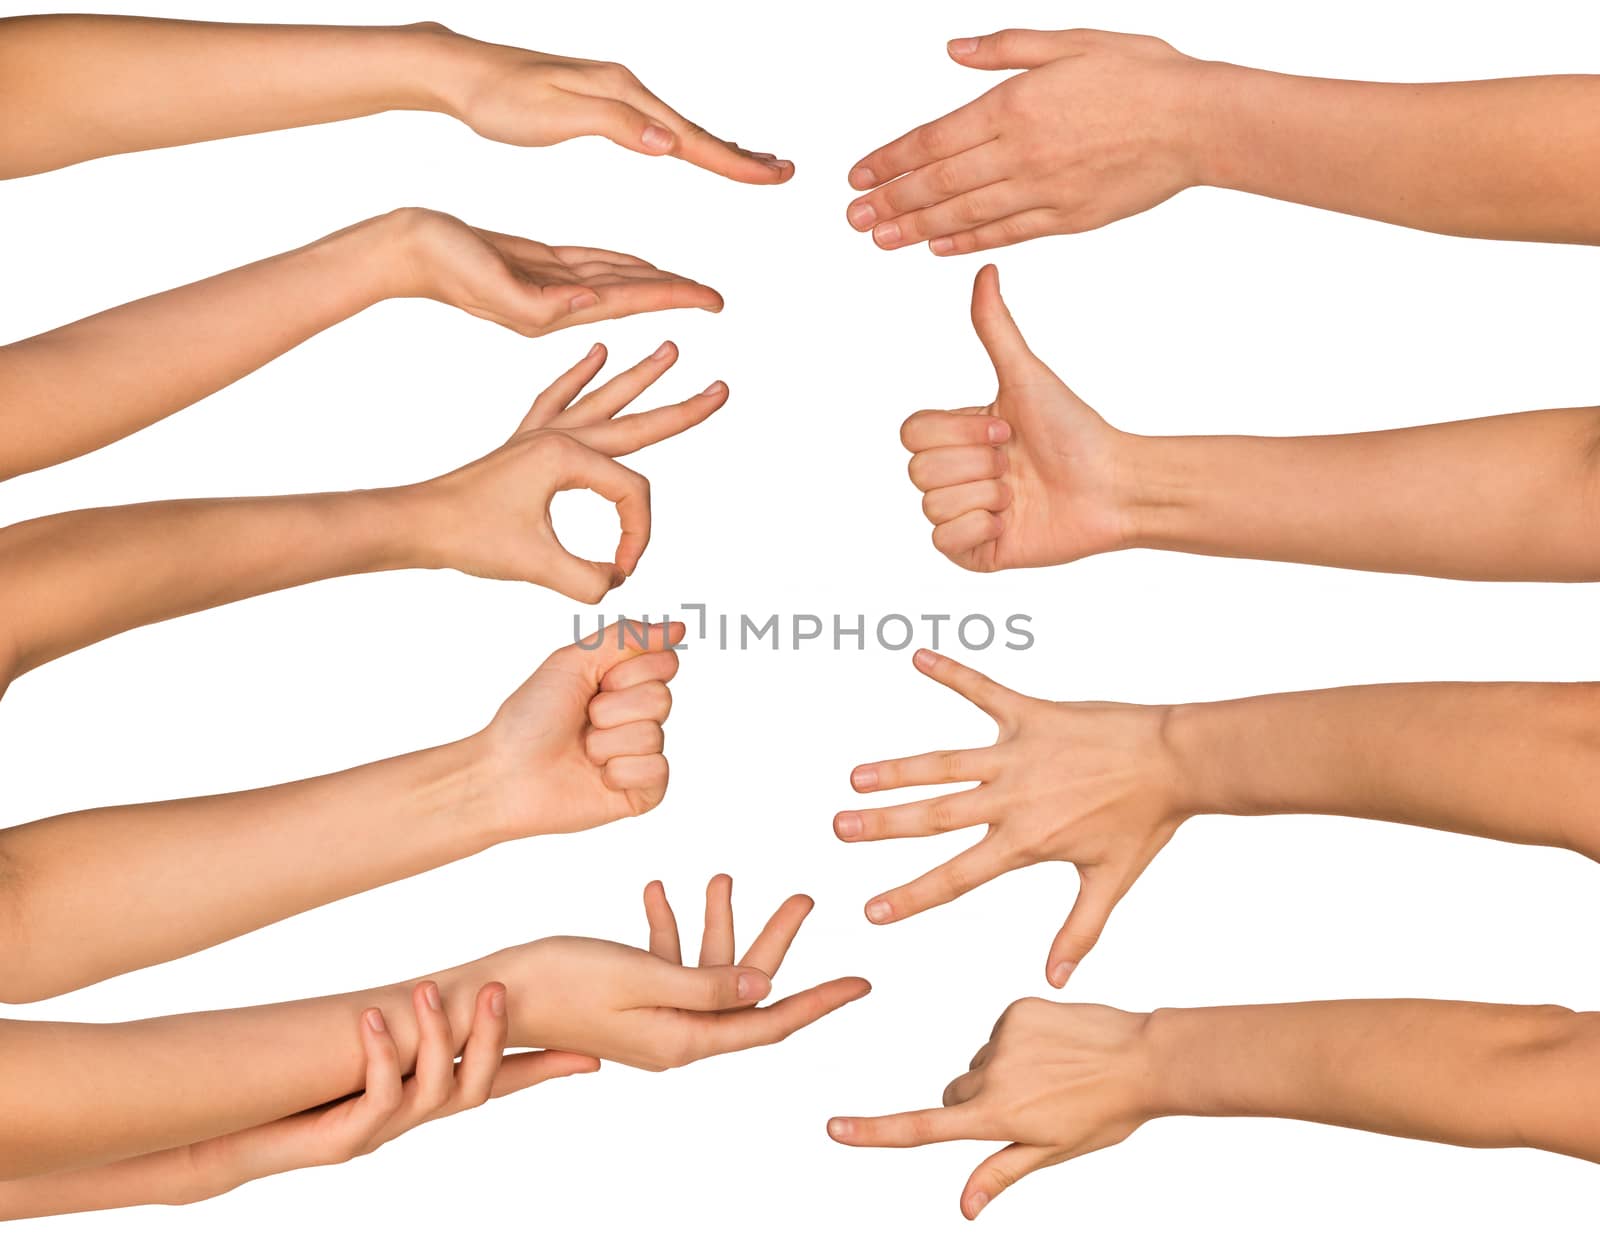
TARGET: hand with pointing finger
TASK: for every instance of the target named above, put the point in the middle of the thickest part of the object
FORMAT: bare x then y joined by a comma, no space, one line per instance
1032,479
1090,783
492,518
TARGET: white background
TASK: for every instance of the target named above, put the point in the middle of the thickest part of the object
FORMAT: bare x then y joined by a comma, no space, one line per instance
1215,312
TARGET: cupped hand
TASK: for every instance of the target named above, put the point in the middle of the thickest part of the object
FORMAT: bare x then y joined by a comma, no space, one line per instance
390,1103
1054,1081
533,288
492,517
534,99
1100,127
1088,783
645,1008
1032,479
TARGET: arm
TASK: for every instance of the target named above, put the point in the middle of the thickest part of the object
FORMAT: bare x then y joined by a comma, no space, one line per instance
1102,126
71,579
1062,1081
77,1095
1038,478
577,746
90,86
1105,786
95,381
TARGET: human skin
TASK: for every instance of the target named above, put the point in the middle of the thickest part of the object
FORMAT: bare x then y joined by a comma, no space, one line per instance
1101,126
69,580
76,87
1058,1081
1104,786
92,382
389,1105
578,745
1038,478
78,1095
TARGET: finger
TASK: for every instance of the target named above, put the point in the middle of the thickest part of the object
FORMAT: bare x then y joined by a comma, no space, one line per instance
630,740
632,432
963,464
956,132
945,505
945,883
999,1172
944,767
995,326
933,184
982,1057
716,939
643,296
764,1026
560,394
626,489
907,1128
433,1078
599,653
995,700
650,702
661,666
522,1069
958,538
622,124
1098,895
621,389
486,1042
1029,224
1015,49
663,924
994,202
768,950
699,147
915,819
963,1089
648,774
705,988
936,429
579,578
384,1091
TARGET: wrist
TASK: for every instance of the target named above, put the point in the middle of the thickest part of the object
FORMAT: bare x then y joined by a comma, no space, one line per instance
1181,1073
1219,96
1202,740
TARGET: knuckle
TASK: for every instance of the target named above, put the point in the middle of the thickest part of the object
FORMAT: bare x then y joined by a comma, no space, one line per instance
944,179
931,138
973,208
952,764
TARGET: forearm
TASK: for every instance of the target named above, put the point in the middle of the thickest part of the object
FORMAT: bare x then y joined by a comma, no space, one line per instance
169,878
75,87
1514,497
1465,1073
85,385
69,580
164,1176
1504,159
1514,762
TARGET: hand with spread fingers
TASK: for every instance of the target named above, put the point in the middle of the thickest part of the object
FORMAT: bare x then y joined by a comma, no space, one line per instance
646,1008
1095,130
1031,479
1088,783
492,517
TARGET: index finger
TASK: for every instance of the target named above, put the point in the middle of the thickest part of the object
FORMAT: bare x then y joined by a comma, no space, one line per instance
632,432
954,133
906,1128
628,490
698,146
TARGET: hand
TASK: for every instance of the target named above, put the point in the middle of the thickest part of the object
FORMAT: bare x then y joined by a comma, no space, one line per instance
534,99
492,517
532,288
645,1008
1088,783
1097,129
1054,1081
390,1104
1033,478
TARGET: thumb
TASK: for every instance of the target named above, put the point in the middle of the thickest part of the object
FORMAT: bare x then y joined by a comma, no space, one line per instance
1012,49
615,643
1098,895
710,988
579,578
997,329
626,127
998,1173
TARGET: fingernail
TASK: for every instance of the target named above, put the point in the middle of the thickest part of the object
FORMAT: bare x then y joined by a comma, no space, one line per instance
375,1021
886,234
782,167
943,246
1060,972
582,301
862,178
430,995
752,985
924,659
497,1002
878,911
862,216
965,46
847,825
714,388
663,351
841,1128
977,1202
657,139
999,432
597,348
864,777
